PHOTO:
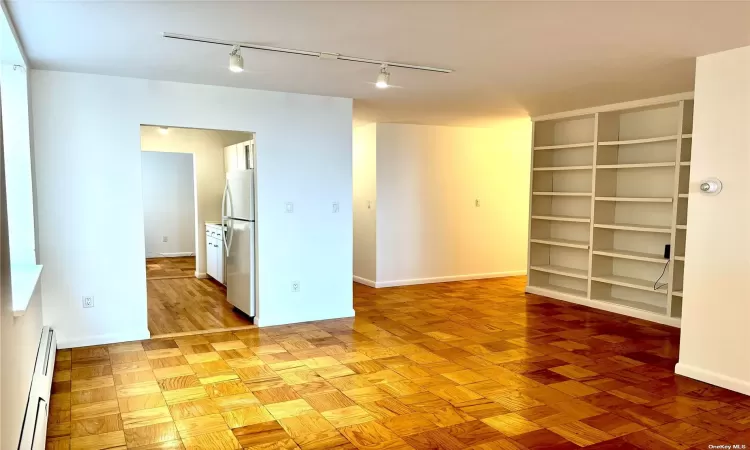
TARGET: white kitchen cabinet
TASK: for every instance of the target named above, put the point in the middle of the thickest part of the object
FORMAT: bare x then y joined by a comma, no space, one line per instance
211,257
214,253
230,158
239,156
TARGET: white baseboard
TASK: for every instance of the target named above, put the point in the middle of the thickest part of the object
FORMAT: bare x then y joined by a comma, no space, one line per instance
605,306
474,276
101,339
364,281
262,321
200,274
717,379
176,255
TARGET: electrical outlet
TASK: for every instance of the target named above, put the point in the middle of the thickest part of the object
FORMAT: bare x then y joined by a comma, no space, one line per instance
335,207
295,286
289,207
88,301
476,203
165,238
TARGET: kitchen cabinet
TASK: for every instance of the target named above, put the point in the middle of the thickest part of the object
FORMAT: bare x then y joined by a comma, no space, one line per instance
215,253
239,156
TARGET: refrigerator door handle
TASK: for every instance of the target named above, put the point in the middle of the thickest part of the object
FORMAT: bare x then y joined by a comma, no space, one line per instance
224,216
228,245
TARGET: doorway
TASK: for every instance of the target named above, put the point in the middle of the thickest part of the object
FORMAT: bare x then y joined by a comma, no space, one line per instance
184,174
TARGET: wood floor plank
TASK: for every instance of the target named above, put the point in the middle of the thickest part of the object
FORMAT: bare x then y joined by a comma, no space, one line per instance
469,365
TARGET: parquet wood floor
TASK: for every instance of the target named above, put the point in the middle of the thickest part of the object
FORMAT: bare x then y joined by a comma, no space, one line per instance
468,365
180,305
165,268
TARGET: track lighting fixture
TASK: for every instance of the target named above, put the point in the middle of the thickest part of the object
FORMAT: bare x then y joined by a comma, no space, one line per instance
236,63
383,77
163,130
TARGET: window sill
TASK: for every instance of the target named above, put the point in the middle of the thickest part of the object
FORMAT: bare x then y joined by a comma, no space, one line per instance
23,281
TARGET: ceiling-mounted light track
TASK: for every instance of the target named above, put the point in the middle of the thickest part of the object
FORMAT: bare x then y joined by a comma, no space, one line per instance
321,55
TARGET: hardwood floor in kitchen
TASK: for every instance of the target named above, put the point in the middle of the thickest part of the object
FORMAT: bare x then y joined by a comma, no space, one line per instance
180,304
475,364
165,268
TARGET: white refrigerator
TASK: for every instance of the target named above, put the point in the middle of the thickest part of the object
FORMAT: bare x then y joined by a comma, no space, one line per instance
238,220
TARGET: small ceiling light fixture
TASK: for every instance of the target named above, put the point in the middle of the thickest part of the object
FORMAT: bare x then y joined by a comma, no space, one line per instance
383,77
236,63
163,130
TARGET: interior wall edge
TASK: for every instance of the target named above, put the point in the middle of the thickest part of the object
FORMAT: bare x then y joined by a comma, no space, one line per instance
708,376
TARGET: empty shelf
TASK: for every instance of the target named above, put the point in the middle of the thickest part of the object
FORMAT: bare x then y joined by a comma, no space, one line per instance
559,290
679,258
560,270
677,293
627,254
562,218
633,304
687,136
561,242
636,199
685,163
564,146
634,227
640,141
635,166
564,194
634,283
550,169
682,227
683,195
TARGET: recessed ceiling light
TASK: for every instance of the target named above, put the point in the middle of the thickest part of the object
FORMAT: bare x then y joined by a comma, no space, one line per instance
163,130
236,63
383,77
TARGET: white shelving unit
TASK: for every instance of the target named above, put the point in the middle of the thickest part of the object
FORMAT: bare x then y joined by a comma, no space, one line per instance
609,190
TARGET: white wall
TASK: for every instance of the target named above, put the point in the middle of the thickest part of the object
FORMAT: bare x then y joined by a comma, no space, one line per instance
19,336
86,132
428,179
168,204
716,304
365,197
207,148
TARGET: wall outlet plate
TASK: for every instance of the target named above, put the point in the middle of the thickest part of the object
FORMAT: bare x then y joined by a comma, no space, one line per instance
295,286
88,301
335,207
289,207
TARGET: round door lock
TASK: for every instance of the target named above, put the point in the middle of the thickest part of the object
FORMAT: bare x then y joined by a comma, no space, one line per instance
710,186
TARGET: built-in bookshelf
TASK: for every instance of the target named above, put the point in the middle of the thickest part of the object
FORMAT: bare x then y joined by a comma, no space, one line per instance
609,190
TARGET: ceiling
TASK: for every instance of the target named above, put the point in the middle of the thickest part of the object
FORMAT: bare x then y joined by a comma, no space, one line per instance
510,58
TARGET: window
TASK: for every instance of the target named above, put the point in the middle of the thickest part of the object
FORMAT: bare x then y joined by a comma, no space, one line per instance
16,142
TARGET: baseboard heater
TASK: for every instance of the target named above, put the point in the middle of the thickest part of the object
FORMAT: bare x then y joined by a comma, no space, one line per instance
34,428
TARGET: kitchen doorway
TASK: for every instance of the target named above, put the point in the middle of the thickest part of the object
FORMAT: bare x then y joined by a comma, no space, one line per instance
184,179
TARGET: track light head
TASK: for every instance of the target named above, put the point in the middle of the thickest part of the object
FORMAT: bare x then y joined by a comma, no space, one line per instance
236,62
383,77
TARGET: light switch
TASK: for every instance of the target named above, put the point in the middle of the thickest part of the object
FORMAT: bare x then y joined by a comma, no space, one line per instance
335,207
289,207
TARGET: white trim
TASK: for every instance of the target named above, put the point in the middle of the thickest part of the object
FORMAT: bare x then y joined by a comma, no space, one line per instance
364,281
176,254
200,274
474,276
674,98
717,379
100,339
288,321
606,306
